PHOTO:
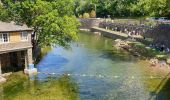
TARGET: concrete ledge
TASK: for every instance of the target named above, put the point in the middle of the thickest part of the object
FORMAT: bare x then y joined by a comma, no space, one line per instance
109,33
30,71
2,79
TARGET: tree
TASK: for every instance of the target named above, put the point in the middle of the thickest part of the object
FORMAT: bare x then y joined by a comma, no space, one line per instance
151,7
156,7
167,9
53,21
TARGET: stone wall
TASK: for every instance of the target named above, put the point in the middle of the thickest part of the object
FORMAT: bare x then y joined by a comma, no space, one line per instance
87,23
17,45
159,33
11,47
125,28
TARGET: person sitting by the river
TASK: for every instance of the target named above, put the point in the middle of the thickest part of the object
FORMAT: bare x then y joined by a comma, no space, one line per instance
133,32
151,46
129,34
167,50
115,28
144,37
162,47
157,47
126,31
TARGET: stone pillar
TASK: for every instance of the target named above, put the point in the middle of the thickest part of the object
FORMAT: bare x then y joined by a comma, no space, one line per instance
29,52
29,68
0,66
26,60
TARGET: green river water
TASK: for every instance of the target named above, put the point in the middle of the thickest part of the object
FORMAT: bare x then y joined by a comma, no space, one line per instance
91,69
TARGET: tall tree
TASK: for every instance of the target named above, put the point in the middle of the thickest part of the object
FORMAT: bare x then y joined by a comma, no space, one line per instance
53,21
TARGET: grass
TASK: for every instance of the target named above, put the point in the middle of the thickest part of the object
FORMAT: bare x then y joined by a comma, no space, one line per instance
19,87
161,57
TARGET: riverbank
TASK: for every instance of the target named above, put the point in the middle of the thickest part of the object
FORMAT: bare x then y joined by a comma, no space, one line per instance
134,46
157,82
137,49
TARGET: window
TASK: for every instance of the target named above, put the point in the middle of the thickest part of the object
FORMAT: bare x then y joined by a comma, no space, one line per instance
24,36
4,37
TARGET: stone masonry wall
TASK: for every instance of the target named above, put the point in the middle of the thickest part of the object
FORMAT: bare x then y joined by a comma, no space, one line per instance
160,33
10,47
87,23
30,59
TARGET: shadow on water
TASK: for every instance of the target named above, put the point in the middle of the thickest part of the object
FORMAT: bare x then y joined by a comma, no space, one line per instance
162,91
52,88
117,55
53,61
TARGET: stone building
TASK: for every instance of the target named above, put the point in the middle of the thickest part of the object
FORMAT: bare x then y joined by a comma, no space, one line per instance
15,48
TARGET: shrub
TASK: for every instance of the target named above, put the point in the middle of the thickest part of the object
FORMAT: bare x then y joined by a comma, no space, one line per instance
86,15
161,57
80,16
93,14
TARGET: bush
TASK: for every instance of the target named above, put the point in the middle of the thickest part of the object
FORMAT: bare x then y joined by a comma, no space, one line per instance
161,57
86,15
80,16
93,14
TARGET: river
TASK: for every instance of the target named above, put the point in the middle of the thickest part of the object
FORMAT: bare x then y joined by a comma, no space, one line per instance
91,69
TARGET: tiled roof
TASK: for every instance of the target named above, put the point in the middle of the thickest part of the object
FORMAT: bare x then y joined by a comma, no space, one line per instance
7,27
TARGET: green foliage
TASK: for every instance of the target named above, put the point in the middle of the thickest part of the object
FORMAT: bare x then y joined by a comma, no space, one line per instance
151,7
19,87
122,8
53,20
86,15
163,57
150,23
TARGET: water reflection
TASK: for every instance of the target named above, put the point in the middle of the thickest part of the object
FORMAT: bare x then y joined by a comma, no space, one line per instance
118,55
